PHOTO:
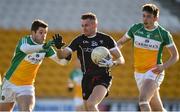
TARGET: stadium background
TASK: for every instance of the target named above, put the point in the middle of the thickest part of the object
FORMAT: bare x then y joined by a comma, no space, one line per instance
63,16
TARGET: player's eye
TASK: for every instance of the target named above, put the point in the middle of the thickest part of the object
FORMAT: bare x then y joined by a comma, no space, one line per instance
84,25
41,32
146,16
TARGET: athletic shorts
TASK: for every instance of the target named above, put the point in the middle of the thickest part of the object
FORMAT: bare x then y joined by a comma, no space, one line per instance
9,92
140,77
89,82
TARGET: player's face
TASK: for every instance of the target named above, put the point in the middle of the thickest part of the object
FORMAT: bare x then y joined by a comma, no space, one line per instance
88,27
40,35
149,19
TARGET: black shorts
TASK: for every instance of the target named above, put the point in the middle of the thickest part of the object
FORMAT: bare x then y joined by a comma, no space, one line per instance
89,82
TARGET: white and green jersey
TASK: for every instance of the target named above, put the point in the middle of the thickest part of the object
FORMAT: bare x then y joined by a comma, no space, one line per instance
148,45
25,63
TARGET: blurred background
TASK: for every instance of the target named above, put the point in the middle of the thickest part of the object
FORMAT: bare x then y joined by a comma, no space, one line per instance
63,16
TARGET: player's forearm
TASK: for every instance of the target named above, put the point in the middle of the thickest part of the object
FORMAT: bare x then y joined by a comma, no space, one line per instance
59,61
172,60
26,48
61,54
64,53
122,41
119,61
119,43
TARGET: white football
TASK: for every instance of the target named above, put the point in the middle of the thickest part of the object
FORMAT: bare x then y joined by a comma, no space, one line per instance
99,53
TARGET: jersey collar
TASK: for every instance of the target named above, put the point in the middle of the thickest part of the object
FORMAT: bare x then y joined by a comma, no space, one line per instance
91,36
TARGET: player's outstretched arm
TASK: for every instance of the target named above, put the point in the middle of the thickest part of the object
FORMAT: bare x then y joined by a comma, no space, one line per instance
122,41
28,49
63,53
118,57
59,61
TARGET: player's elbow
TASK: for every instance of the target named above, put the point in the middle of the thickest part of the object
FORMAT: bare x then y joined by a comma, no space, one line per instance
60,55
177,57
63,54
122,61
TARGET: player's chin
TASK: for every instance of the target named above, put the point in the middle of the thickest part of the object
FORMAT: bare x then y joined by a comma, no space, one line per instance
86,33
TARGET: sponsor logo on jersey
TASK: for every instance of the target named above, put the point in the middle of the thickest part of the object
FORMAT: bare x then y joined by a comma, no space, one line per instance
94,43
85,42
87,49
141,32
101,41
146,43
35,58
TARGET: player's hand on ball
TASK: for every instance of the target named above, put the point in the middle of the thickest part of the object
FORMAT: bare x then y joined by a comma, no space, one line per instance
58,41
48,44
106,63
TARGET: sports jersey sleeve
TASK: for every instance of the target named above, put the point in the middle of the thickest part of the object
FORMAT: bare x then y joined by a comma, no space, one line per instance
129,33
169,40
133,29
50,52
25,47
111,43
74,44
19,45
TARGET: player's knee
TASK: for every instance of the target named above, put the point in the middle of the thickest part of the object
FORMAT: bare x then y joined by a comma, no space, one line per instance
91,104
143,97
24,107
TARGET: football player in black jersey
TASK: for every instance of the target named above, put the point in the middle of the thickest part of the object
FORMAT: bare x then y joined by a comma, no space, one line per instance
96,77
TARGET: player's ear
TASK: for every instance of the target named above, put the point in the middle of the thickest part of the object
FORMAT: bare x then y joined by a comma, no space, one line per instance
156,18
33,32
95,25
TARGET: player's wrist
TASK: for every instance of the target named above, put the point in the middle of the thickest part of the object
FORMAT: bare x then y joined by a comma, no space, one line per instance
46,46
163,66
114,63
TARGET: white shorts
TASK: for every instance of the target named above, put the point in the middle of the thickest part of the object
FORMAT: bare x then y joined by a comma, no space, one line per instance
9,92
140,77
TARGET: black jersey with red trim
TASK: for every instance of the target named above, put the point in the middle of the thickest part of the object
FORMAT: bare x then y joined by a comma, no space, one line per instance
84,46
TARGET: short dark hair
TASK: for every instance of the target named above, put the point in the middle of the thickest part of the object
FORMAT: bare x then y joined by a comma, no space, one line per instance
89,15
151,8
38,23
